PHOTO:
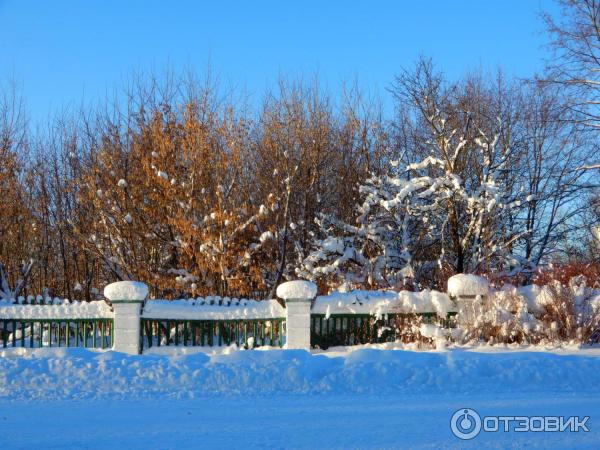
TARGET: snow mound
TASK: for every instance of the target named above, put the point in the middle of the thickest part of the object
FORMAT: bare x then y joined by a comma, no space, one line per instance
44,374
213,308
467,285
297,289
126,290
76,310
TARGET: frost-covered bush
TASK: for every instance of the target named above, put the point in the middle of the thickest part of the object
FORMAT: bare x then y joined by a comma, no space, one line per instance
548,314
501,317
570,313
432,215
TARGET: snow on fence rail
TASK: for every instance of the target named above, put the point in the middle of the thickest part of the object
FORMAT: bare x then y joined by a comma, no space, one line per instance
378,303
213,308
56,323
212,321
65,310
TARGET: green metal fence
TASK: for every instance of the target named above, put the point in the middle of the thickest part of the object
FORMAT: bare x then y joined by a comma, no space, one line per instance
38,333
244,333
357,329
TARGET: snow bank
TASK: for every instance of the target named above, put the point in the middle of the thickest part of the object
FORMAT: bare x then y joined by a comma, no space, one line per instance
297,289
75,310
82,374
377,303
126,290
213,308
467,285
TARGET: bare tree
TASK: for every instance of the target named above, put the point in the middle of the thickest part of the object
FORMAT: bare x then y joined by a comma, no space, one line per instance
15,206
575,41
556,191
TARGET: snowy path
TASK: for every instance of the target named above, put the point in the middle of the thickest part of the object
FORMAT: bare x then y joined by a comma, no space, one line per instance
365,399
280,421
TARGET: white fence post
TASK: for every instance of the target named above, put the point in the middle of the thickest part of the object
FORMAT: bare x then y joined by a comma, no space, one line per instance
127,298
469,291
298,296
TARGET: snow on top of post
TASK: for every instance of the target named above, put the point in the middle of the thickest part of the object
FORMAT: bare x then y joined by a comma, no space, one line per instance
467,285
298,289
126,290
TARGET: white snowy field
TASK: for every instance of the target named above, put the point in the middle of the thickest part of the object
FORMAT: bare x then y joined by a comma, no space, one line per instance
366,398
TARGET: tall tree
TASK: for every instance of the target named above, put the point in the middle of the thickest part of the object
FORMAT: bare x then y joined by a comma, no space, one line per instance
575,40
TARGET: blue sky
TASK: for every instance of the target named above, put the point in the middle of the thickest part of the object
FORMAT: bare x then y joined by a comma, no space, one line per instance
63,52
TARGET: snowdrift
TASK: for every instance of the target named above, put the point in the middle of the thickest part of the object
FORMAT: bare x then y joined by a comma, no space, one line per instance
82,374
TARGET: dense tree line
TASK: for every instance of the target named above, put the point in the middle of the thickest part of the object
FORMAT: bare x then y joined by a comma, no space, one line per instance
195,192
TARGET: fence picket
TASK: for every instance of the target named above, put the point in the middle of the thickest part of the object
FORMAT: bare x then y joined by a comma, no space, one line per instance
354,329
213,332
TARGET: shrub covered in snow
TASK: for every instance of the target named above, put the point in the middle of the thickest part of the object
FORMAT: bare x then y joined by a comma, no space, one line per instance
533,314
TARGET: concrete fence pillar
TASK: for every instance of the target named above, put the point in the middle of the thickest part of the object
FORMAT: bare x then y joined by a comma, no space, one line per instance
298,296
127,298
469,292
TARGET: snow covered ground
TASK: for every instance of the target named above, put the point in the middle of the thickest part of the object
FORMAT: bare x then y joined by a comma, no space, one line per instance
365,398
